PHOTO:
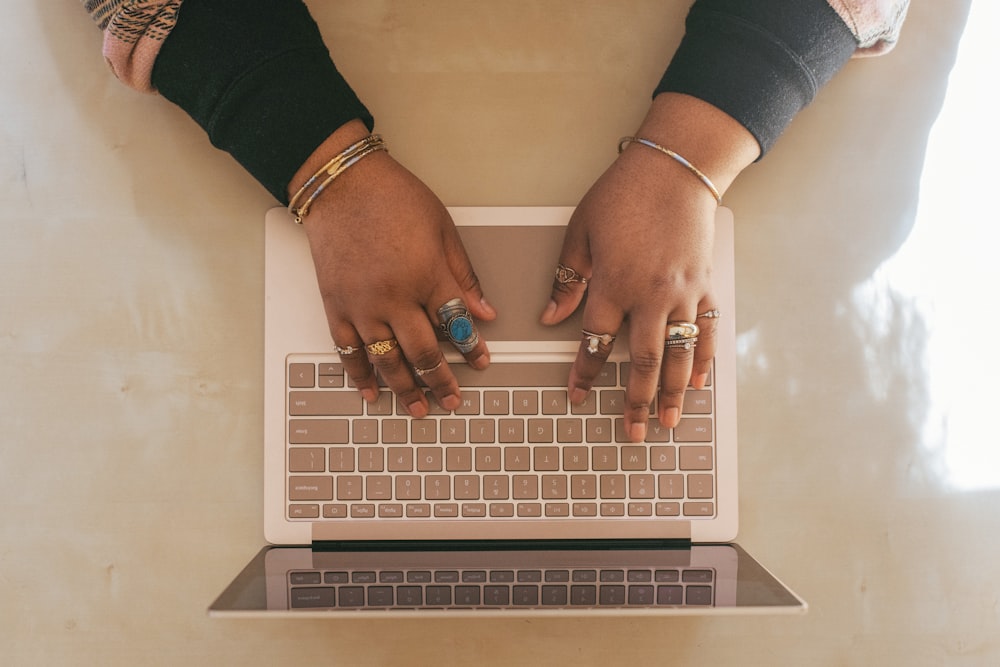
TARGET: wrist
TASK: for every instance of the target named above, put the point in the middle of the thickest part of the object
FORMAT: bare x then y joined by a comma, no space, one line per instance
347,134
710,140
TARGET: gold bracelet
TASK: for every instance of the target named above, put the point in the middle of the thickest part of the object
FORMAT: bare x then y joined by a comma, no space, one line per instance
332,169
624,141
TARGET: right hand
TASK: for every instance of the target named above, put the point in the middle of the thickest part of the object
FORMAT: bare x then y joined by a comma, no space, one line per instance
387,256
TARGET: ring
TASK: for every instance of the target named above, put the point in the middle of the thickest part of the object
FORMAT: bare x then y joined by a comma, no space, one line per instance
566,275
686,343
380,347
424,371
681,334
710,314
456,323
345,351
594,339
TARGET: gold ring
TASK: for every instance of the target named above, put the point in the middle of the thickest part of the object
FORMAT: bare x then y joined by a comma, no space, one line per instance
381,347
566,275
682,330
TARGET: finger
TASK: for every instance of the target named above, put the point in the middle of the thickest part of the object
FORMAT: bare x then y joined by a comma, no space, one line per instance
351,350
572,275
387,357
601,322
678,360
465,276
423,353
458,326
646,360
704,351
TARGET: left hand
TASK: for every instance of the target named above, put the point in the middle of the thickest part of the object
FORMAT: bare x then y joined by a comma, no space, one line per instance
643,234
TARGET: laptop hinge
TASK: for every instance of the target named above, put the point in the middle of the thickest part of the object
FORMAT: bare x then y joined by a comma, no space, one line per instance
500,545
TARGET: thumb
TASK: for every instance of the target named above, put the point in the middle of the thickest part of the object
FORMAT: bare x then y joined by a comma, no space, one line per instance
461,269
569,284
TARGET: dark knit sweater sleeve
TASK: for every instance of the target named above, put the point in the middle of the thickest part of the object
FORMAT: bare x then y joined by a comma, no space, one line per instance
761,62
256,75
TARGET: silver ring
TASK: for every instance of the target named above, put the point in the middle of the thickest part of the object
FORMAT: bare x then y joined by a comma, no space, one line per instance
420,372
457,325
346,351
595,339
686,343
710,314
566,275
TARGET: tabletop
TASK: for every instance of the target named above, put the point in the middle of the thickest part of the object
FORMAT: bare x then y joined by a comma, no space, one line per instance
131,337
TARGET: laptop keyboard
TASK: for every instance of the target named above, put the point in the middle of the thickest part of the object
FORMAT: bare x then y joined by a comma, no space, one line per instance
498,588
507,452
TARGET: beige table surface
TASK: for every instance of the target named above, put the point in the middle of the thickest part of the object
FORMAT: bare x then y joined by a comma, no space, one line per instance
131,317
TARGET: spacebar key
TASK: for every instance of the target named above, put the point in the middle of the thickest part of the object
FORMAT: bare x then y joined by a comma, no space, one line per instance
514,374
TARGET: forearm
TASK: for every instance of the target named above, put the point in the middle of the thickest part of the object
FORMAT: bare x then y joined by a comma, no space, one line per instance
256,75
758,62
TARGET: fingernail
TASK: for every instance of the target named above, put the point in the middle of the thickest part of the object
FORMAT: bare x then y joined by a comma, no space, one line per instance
369,394
671,416
488,307
698,381
451,402
549,313
416,410
638,432
578,396
480,362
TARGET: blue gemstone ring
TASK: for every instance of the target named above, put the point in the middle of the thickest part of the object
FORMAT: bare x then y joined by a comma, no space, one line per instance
457,326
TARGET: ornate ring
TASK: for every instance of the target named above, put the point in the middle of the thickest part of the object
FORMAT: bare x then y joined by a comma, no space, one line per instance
346,351
710,314
595,339
420,372
457,325
380,347
566,275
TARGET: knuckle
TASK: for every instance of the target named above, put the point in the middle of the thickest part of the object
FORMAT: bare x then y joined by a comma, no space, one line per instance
646,362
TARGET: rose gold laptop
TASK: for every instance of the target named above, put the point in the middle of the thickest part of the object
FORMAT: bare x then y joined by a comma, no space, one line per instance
517,501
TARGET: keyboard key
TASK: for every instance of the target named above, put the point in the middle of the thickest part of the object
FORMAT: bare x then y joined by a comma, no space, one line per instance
324,403
496,403
599,429
612,486
517,459
536,374
488,459
693,429
364,431
697,402
394,431
700,486
301,376
554,487
350,487
399,459
540,430
496,487
583,594
662,457
696,458
437,487
525,596
341,459
546,458
303,511
671,486
430,459
371,459
307,459
453,431
510,431
525,402
313,597
699,509
407,487
318,431
310,488
557,509
554,402
641,486
605,458
524,487
633,457
554,595
612,401
576,458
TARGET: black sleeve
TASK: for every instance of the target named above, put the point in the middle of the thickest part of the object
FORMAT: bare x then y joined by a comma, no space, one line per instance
760,61
256,75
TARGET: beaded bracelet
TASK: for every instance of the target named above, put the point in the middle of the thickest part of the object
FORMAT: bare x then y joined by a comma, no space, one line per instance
624,141
334,168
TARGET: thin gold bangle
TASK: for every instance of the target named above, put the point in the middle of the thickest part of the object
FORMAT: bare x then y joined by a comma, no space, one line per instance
624,141
332,169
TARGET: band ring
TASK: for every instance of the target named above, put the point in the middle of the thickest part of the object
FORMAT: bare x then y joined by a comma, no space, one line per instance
420,372
595,339
346,351
566,275
682,330
686,343
380,347
710,314
457,325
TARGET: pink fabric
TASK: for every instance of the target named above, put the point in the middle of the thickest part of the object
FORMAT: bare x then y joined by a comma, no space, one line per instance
875,23
133,34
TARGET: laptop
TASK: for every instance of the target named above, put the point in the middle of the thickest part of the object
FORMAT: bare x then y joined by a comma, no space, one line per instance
516,503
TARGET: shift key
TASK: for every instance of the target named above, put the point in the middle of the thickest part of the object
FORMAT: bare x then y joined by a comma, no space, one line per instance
324,403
